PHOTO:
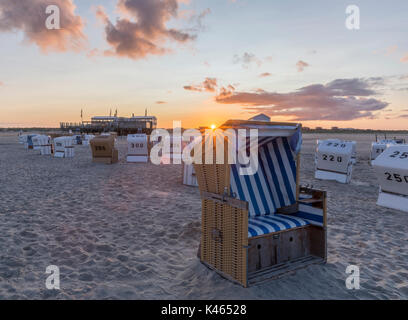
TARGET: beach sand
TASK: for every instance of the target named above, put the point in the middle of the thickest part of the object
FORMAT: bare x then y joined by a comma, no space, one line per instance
131,231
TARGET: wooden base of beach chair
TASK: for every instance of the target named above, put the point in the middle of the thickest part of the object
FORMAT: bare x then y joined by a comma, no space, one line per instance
105,160
224,236
276,253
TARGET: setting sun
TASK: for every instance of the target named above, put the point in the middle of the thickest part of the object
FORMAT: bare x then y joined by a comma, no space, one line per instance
213,126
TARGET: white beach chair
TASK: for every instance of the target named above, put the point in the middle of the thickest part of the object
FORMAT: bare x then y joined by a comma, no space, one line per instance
391,168
378,147
63,147
27,140
22,138
43,144
87,138
353,143
138,148
189,175
334,160
36,142
77,139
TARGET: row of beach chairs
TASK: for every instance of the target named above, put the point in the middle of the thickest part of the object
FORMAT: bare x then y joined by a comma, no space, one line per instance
335,158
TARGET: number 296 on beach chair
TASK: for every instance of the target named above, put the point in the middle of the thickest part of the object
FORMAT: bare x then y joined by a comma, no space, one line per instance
260,226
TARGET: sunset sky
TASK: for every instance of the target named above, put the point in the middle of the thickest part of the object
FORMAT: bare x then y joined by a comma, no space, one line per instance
205,61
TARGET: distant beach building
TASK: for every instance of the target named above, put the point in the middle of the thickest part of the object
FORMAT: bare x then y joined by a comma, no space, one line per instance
121,125
335,128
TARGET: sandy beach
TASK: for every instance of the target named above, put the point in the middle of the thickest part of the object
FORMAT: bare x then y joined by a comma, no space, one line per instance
131,231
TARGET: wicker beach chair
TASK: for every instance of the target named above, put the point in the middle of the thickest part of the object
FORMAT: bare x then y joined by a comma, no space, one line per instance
257,227
103,149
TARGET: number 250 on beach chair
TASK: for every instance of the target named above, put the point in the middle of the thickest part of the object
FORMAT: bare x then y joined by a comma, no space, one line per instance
257,227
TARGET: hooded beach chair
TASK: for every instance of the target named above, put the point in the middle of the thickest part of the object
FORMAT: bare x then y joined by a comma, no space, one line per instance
378,147
36,140
138,148
103,149
391,168
77,139
63,147
189,174
22,138
260,226
335,160
28,141
87,138
339,141
43,144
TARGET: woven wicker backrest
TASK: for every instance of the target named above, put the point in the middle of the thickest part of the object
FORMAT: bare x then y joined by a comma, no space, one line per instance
213,178
102,146
224,239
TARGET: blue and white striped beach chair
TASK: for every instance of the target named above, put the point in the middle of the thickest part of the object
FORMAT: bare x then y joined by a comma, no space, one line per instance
256,227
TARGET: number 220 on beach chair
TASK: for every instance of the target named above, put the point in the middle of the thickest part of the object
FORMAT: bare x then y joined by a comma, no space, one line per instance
260,226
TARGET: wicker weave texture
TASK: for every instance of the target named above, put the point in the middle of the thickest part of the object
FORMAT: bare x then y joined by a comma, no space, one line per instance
224,236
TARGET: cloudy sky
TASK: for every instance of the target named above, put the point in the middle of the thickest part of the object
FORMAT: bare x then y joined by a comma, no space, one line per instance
205,61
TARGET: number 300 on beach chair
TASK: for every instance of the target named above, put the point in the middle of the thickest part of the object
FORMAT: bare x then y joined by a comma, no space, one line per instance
260,226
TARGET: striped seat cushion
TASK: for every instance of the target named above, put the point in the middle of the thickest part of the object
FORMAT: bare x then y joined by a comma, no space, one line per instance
313,215
261,225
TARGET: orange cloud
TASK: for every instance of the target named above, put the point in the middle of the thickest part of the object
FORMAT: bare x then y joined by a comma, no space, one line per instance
405,58
265,74
142,30
209,85
301,65
30,16
341,99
